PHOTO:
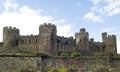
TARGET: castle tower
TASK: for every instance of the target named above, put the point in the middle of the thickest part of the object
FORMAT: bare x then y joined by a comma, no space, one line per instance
104,36
10,36
82,39
47,39
110,43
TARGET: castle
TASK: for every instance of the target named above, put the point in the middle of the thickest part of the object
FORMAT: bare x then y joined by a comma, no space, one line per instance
42,52
48,42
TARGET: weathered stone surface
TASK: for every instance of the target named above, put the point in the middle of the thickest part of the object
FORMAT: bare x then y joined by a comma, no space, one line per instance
48,42
18,63
22,52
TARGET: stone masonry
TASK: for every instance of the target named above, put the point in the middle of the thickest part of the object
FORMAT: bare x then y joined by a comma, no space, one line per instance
48,42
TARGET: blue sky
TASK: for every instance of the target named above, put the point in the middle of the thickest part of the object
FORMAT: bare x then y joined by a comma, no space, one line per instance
69,16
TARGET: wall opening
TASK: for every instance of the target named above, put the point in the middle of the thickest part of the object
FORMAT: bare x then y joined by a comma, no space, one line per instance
58,41
23,42
29,41
16,42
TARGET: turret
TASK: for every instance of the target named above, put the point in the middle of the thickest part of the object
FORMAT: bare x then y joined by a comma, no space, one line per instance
110,43
10,36
104,36
81,35
82,39
82,30
92,40
47,39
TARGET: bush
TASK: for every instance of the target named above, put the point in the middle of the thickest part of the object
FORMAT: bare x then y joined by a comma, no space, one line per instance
62,69
64,54
99,55
76,54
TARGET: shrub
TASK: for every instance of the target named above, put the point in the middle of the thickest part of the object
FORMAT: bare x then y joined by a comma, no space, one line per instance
76,54
62,69
64,54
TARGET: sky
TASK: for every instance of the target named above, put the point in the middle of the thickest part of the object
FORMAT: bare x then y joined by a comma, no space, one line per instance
69,16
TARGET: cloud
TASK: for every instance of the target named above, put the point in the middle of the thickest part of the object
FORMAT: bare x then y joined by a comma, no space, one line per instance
78,4
65,30
95,1
104,8
110,29
8,5
110,7
28,20
92,17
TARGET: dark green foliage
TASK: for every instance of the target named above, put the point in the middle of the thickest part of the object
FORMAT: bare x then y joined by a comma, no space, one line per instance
99,55
76,54
64,54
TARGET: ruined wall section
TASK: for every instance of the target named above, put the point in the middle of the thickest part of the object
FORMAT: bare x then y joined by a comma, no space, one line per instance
65,44
48,39
110,43
28,43
96,47
82,40
10,36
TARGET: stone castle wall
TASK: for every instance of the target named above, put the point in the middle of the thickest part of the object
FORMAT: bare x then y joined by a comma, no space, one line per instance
11,64
66,44
47,64
47,41
97,47
29,43
19,52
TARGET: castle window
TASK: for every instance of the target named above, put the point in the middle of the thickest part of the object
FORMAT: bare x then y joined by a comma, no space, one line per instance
103,48
16,42
53,30
36,41
97,48
14,36
29,41
66,42
23,41
58,41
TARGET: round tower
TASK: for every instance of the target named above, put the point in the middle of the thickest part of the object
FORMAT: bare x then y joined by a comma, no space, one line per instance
48,39
10,36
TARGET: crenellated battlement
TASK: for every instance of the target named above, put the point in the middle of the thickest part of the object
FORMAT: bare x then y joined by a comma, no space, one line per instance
10,28
110,42
81,35
47,25
111,36
82,30
48,41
